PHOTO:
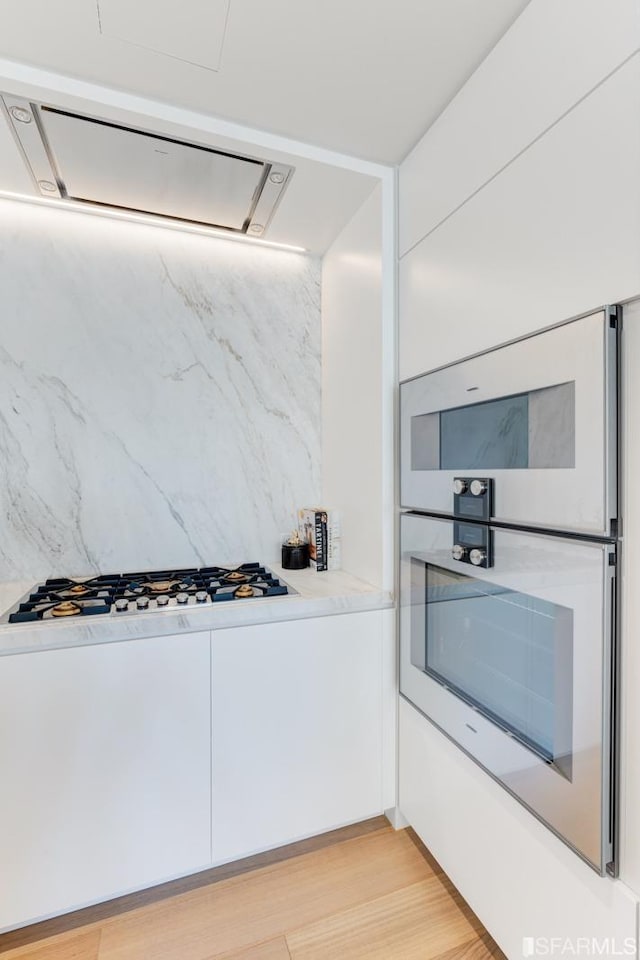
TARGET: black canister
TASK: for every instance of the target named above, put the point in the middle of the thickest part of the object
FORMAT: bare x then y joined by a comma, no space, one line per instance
295,556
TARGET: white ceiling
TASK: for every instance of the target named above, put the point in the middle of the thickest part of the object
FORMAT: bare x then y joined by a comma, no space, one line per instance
362,77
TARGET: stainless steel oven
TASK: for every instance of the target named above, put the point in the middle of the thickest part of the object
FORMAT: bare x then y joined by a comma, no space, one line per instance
537,415
514,663
508,583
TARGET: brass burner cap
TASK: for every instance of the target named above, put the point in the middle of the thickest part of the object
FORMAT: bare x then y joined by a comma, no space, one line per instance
66,609
78,589
160,586
244,591
237,576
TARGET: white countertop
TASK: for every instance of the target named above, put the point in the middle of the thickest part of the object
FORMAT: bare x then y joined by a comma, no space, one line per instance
319,595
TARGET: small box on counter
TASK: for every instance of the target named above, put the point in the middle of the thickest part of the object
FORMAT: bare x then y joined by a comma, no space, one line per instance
312,526
321,529
334,540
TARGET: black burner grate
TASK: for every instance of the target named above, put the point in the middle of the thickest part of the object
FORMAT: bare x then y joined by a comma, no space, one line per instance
65,598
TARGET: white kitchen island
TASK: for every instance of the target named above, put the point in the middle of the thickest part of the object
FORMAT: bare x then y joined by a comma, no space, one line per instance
140,748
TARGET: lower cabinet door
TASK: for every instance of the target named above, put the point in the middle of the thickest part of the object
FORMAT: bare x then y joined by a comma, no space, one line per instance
297,730
105,757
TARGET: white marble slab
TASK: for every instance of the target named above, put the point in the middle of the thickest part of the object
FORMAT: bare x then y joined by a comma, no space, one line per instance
159,396
319,595
13,591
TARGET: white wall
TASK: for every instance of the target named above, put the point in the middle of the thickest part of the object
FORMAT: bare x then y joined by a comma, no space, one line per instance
520,208
357,401
352,388
159,395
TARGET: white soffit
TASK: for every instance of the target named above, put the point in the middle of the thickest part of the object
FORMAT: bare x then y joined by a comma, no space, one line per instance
194,33
320,199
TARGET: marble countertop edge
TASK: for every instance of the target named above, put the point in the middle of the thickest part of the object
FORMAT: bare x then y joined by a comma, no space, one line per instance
318,595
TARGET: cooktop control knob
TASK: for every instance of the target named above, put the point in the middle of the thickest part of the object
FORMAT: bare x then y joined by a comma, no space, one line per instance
162,600
122,604
201,596
478,487
458,552
459,486
142,603
182,597
477,557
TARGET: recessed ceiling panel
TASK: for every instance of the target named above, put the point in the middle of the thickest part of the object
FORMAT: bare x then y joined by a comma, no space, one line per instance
105,163
191,30
361,77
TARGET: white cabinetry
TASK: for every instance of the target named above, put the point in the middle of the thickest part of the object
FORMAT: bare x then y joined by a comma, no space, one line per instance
517,877
552,56
297,730
555,235
106,754
105,760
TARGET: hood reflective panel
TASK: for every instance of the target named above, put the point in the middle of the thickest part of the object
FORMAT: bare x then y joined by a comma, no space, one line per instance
104,163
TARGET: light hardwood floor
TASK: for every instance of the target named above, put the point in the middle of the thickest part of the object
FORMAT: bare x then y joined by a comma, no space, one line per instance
377,896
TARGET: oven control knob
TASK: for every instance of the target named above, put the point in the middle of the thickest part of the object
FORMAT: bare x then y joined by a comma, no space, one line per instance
142,603
182,597
477,557
122,604
162,600
478,487
459,486
201,596
459,552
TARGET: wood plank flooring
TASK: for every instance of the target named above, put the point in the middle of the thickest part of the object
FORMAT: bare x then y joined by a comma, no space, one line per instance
378,896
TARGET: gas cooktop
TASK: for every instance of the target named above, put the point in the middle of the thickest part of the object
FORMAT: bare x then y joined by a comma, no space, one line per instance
118,594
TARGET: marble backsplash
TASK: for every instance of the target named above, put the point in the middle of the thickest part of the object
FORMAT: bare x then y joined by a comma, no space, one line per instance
159,395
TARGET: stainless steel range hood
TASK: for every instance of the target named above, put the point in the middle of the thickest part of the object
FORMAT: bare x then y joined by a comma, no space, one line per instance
88,160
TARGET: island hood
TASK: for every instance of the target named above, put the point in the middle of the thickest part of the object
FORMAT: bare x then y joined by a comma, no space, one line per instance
88,160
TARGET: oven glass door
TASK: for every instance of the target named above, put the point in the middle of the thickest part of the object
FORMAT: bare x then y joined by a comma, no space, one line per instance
506,653
513,663
538,416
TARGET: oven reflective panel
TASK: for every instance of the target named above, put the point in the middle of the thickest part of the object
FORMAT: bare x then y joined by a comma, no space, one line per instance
534,430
